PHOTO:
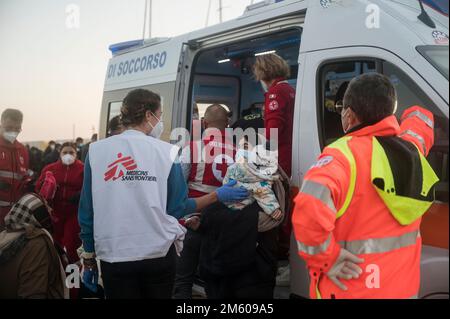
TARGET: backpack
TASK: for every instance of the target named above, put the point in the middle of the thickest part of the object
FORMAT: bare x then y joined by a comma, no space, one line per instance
282,190
48,187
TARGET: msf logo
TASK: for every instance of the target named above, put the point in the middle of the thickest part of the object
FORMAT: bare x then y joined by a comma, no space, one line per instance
116,169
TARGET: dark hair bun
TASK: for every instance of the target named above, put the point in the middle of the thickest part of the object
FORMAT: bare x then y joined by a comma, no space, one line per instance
136,104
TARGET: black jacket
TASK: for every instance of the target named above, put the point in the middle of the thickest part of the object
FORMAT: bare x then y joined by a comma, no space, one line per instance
229,240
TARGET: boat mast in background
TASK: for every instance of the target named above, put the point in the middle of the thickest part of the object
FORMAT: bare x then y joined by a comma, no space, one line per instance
147,19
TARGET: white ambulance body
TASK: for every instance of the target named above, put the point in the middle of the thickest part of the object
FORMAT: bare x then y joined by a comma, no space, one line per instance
326,43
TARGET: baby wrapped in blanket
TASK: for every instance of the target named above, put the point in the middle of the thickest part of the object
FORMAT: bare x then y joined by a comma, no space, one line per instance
256,170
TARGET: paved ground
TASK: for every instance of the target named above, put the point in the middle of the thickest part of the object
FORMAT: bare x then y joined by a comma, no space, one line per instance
282,291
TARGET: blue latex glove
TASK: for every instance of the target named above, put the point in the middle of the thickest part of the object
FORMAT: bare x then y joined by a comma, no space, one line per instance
229,193
90,279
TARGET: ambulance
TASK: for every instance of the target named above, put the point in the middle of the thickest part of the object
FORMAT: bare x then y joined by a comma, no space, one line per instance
326,43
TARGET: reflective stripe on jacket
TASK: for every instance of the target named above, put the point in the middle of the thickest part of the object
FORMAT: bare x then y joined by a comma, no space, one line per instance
14,165
325,219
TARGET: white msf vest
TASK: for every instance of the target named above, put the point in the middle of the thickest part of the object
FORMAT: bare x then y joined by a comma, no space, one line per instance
129,193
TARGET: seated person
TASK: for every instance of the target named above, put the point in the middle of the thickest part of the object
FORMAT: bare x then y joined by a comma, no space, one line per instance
115,126
251,118
31,264
339,98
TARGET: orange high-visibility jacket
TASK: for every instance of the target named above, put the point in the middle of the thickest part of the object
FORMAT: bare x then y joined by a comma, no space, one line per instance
391,251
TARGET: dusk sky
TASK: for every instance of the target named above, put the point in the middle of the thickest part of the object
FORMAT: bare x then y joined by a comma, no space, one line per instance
55,73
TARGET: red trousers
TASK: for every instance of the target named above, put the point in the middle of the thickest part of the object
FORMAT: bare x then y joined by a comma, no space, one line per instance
66,232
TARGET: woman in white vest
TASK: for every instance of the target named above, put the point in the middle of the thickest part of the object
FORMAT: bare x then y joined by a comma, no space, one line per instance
133,194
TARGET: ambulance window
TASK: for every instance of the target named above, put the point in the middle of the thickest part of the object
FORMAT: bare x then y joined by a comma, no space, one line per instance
334,78
216,89
113,111
409,94
437,55
224,74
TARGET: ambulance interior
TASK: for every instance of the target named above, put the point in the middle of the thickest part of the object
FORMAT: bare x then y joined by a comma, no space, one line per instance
333,78
224,74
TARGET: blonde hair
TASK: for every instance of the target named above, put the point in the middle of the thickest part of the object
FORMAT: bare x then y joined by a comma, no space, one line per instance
271,66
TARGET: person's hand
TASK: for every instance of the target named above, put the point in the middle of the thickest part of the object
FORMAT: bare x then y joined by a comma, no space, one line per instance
90,274
277,215
193,223
345,268
229,193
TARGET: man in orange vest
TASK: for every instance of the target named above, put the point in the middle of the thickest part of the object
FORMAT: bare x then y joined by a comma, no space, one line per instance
357,217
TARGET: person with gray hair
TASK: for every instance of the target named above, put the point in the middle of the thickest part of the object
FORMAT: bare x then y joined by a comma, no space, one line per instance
14,161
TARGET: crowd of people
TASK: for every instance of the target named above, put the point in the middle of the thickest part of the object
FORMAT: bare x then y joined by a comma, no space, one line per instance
148,219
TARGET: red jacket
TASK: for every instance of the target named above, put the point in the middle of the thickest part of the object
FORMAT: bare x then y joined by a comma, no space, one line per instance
14,165
391,251
279,113
70,181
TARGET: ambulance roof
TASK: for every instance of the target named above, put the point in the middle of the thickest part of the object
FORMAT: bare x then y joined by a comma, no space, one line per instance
328,24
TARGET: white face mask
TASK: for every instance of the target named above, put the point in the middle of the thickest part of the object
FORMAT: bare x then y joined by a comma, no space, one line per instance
10,136
158,129
68,159
264,86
